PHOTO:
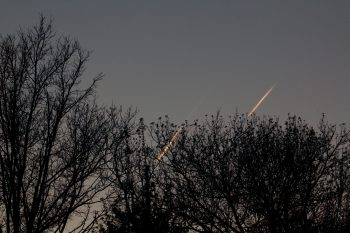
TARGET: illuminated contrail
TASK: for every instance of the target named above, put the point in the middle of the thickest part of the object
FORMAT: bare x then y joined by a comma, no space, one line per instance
178,130
169,143
261,100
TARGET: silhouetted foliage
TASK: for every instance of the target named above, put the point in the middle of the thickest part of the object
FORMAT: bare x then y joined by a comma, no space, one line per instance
257,175
247,174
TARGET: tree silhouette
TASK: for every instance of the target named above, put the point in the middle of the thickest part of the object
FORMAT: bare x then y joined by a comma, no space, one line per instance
140,193
258,175
285,169
60,152
53,137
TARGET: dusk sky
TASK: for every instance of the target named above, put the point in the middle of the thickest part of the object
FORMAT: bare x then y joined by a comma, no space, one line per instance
165,57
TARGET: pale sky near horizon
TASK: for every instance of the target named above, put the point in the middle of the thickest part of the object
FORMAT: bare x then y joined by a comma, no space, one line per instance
164,57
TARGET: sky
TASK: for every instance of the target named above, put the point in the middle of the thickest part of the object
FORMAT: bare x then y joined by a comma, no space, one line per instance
177,57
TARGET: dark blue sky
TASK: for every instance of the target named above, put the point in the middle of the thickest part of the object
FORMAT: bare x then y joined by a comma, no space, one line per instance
163,57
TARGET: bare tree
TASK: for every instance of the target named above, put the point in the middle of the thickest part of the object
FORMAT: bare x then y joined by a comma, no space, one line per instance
53,137
207,177
287,173
140,200
253,174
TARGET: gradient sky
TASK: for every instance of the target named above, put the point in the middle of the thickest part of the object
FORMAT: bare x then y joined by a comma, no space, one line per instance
163,57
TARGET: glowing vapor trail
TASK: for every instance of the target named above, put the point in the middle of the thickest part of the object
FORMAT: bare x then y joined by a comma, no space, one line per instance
169,143
178,130
261,100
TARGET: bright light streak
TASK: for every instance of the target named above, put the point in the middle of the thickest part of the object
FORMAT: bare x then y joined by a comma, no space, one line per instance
169,143
178,130
261,100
